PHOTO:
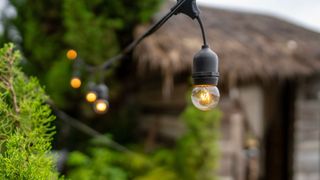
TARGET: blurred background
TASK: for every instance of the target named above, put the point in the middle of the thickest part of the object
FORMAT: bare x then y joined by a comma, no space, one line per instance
267,125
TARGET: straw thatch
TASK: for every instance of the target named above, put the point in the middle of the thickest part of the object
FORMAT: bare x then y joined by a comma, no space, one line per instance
250,46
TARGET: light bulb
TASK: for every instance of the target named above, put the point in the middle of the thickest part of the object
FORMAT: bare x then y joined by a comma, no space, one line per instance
91,96
101,106
72,54
75,82
205,97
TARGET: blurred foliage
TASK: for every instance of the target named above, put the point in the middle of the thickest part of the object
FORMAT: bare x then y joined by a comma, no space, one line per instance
97,29
25,129
194,158
197,155
104,163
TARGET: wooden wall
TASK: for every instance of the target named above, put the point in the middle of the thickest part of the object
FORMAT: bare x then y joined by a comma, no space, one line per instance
307,132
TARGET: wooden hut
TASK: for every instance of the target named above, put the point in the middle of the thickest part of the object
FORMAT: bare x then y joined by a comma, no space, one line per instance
263,64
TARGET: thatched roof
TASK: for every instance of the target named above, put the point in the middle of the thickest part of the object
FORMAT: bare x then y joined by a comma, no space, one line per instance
250,46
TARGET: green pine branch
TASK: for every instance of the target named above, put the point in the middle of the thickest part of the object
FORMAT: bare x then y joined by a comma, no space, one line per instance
25,123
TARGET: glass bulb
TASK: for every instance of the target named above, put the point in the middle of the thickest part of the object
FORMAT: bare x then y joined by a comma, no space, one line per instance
101,106
205,97
75,83
72,54
91,96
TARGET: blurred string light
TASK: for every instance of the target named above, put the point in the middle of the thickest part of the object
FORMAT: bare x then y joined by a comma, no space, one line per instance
72,54
205,95
96,94
91,96
75,82
101,106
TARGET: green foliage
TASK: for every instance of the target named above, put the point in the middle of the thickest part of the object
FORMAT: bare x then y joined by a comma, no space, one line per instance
159,173
97,29
104,163
97,41
25,129
97,167
194,158
57,93
197,155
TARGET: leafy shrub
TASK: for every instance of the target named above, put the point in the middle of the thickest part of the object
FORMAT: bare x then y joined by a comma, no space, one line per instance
25,128
194,158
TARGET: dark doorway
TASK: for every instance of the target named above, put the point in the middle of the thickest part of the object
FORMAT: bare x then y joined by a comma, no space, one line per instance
279,123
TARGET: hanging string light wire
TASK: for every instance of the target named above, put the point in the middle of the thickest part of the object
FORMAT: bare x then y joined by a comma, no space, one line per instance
178,8
205,95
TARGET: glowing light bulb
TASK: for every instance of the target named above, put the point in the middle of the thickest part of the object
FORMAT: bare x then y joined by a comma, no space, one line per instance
91,96
205,97
101,106
72,54
75,82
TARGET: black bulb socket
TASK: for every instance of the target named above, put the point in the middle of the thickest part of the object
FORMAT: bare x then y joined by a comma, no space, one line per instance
205,67
102,91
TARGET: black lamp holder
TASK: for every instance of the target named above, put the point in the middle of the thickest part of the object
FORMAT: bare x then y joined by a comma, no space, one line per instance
101,90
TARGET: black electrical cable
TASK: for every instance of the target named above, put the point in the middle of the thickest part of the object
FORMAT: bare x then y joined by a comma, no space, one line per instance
202,31
174,10
136,42
86,129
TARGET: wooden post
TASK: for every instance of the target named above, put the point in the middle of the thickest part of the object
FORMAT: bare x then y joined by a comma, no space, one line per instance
237,135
